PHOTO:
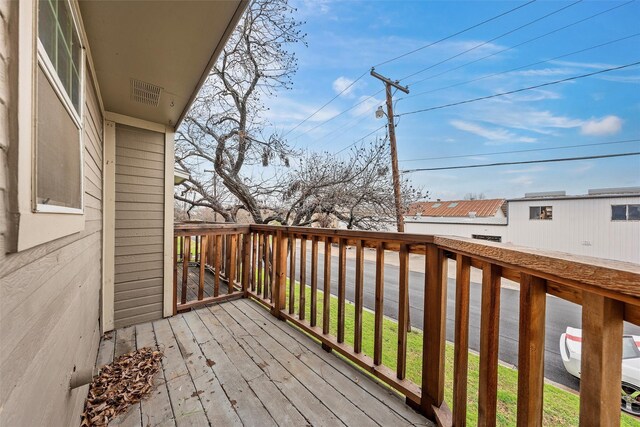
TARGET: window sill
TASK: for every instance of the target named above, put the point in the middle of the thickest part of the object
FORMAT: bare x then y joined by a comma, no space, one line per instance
38,228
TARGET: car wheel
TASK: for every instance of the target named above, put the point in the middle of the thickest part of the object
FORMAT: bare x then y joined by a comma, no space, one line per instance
630,399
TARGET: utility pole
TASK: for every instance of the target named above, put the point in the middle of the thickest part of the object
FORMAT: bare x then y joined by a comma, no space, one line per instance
388,83
392,142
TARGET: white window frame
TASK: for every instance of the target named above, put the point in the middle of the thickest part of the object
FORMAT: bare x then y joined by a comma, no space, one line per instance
626,213
38,224
540,208
44,62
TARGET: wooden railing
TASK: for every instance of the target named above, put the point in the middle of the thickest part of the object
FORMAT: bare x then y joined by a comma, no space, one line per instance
219,250
609,293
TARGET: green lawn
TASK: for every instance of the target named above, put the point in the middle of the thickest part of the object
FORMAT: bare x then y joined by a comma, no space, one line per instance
560,407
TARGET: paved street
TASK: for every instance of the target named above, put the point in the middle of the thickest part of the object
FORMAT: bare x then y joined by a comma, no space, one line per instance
560,313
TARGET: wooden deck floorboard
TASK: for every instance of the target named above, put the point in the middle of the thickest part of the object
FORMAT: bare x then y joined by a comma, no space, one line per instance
233,364
193,283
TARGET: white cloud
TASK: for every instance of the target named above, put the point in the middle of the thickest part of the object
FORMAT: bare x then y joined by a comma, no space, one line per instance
344,84
608,125
496,136
525,180
366,105
544,72
533,169
589,65
539,121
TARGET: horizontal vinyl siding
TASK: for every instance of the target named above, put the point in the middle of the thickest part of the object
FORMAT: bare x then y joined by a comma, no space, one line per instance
139,226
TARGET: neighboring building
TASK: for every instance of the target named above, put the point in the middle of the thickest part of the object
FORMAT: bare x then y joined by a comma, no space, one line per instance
479,219
91,93
604,223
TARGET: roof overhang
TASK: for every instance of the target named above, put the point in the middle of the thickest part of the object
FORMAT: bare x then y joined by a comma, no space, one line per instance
170,45
180,175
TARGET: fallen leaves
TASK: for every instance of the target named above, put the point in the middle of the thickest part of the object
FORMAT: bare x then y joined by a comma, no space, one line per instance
120,384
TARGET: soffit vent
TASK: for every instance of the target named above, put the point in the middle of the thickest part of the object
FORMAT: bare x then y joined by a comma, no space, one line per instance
145,93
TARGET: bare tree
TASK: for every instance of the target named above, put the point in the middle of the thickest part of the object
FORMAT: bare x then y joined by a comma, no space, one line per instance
224,130
235,164
356,190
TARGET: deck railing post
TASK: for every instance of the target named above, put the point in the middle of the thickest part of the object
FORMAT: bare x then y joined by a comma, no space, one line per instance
278,288
246,263
433,344
601,370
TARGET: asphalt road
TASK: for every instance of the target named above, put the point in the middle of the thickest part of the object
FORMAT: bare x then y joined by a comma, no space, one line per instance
559,315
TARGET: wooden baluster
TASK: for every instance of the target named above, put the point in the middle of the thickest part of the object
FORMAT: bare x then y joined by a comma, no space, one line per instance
601,370
246,262
176,241
303,277
195,249
267,265
533,297
403,306
203,251
359,290
489,328
239,258
232,241
217,260
292,275
210,252
254,259
260,263
227,258
461,354
342,278
185,268
379,305
314,281
273,279
279,284
433,338
326,300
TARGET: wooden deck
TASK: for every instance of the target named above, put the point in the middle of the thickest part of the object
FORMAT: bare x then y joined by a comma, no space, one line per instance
193,283
234,364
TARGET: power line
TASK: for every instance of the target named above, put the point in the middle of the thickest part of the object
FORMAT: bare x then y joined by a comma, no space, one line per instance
566,159
521,43
493,39
455,34
517,68
523,151
388,61
360,139
340,114
327,103
495,95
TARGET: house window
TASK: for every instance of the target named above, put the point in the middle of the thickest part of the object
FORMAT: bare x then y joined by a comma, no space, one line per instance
625,212
541,212
58,166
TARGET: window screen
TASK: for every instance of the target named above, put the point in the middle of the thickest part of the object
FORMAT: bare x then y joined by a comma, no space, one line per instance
58,160
58,35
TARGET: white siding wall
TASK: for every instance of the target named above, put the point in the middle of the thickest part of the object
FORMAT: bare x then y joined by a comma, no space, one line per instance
579,226
460,230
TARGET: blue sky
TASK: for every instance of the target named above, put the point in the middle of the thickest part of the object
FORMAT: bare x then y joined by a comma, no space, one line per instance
346,38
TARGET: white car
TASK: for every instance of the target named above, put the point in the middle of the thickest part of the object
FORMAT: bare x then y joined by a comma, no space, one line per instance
570,350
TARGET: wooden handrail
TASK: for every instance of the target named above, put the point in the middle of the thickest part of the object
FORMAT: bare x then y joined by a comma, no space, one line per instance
263,258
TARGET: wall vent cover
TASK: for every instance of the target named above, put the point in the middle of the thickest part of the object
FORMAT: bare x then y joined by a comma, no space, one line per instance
145,93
